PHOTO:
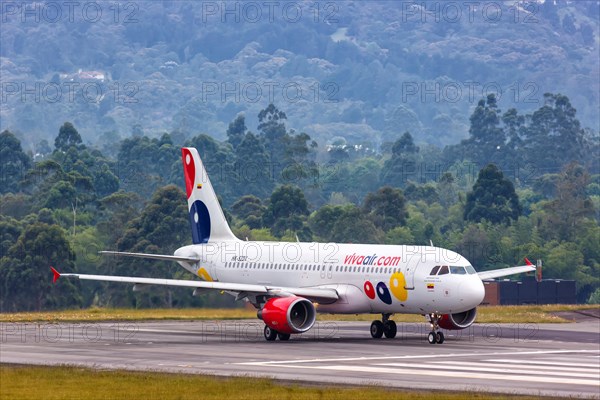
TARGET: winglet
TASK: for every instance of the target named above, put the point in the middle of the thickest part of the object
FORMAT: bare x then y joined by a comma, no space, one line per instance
56,274
527,261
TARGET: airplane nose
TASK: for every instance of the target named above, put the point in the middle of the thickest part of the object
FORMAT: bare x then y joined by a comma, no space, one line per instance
472,291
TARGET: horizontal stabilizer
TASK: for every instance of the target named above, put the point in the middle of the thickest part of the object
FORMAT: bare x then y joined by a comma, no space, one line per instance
498,273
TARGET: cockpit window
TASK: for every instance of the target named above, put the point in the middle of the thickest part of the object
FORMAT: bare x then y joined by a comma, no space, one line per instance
470,270
443,270
434,270
458,270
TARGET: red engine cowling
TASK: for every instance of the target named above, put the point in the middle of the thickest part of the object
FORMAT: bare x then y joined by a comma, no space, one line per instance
456,321
288,314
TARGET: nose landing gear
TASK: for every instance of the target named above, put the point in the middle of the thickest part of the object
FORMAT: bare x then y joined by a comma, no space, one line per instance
435,336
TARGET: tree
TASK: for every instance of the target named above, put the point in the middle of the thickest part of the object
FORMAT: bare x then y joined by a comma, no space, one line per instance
252,168
571,203
67,137
271,123
114,213
144,164
353,226
25,271
249,210
386,208
554,136
322,220
401,167
426,193
287,151
161,228
493,198
105,182
447,190
236,131
514,125
287,209
15,163
486,137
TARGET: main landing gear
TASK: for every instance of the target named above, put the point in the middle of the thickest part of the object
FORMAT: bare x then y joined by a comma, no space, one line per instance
435,336
271,334
385,327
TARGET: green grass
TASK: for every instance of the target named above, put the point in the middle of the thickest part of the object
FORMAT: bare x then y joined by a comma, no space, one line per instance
49,383
486,314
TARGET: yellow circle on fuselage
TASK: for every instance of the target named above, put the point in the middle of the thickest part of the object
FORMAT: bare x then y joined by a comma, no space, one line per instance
397,286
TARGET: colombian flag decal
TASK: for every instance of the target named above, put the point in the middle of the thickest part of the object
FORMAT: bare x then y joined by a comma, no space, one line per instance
199,186
430,286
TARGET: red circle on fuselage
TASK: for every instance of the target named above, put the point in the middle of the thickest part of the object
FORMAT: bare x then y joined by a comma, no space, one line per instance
369,290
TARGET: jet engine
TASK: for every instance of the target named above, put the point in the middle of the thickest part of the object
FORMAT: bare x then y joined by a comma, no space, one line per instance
456,321
288,314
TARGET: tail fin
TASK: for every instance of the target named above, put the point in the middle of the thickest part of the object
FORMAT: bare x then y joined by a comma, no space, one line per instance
206,216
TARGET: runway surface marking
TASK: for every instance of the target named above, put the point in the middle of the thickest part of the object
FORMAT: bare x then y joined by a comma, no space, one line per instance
553,362
452,355
536,370
472,375
540,368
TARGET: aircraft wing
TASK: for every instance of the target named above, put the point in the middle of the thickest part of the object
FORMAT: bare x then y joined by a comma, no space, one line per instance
498,273
311,293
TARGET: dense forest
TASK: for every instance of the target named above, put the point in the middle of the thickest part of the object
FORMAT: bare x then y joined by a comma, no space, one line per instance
363,71
473,125
518,185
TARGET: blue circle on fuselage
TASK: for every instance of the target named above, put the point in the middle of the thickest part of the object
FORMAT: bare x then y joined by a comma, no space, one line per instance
383,293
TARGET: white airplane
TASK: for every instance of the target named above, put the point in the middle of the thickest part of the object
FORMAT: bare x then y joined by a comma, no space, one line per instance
289,282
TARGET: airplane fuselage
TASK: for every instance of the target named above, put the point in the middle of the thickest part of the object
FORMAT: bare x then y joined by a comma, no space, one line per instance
368,278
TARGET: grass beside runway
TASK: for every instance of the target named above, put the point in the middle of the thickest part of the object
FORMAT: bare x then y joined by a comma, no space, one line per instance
49,383
486,314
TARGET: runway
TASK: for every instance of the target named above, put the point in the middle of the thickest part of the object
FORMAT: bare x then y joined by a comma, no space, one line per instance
544,359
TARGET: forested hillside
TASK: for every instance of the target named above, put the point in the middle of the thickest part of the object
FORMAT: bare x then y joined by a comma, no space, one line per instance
61,207
365,71
470,124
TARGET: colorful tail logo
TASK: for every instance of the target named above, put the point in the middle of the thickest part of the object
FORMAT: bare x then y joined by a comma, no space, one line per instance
206,217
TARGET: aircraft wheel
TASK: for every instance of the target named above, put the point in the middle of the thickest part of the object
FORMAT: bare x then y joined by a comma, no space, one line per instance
270,333
390,329
283,336
376,329
432,338
439,337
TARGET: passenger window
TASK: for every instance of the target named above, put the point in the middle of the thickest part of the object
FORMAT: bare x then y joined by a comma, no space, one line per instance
444,270
434,271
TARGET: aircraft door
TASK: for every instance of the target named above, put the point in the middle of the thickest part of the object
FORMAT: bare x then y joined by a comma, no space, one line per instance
411,268
329,271
322,267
